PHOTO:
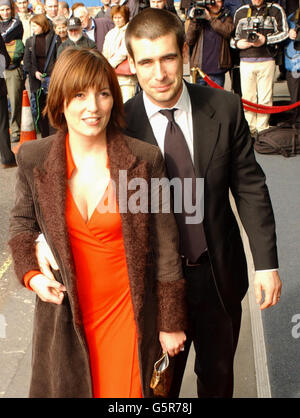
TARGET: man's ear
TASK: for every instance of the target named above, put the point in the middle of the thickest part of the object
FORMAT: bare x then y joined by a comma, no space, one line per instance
131,64
185,53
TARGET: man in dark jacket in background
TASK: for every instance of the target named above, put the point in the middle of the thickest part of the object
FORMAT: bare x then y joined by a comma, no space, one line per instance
209,35
7,156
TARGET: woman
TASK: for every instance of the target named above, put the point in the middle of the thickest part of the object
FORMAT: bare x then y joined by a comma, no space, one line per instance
39,59
60,24
115,51
119,289
11,30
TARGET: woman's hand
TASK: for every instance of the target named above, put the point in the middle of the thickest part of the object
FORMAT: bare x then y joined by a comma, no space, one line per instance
47,289
172,342
38,75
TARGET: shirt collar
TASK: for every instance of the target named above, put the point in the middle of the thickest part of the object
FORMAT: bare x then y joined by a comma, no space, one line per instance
183,103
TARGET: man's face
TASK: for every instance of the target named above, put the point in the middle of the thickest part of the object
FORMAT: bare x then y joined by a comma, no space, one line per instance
157,4
81,13
5,12
257,3
22,5
74,34
216,7
159,67
51,7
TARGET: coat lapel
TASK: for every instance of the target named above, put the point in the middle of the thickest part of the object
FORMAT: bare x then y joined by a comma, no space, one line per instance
51,186
205,130
138,125
135,226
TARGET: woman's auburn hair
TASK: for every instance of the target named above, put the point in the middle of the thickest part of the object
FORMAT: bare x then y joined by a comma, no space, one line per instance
76,70
42,21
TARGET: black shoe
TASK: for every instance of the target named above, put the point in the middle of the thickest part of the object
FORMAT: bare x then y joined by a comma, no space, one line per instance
15,139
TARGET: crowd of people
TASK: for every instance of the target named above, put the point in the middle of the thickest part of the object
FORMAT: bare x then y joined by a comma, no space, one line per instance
116,297
218,35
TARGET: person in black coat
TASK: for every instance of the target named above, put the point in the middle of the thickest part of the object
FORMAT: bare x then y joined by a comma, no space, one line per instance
11,30
41,49
6,154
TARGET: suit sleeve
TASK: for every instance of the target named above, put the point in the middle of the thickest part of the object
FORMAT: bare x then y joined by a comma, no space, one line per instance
170,282
249,189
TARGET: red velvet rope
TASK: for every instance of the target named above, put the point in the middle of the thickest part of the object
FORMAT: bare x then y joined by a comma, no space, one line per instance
254,107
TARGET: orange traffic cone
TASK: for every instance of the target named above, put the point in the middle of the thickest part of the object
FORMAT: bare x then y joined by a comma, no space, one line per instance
27,126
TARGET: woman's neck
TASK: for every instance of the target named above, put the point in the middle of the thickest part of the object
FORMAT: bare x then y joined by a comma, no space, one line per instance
87,147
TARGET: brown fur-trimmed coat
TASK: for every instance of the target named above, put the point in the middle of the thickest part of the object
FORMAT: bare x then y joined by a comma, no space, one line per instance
60,364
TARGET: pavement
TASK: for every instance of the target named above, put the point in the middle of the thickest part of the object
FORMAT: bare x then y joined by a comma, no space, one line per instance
252,379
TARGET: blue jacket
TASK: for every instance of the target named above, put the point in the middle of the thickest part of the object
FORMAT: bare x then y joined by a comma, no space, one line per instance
291,55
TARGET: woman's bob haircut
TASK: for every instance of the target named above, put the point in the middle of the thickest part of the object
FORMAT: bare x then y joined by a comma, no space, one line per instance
78,70
42,21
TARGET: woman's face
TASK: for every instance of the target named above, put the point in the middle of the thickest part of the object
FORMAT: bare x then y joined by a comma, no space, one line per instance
5,12
88,113
36,29
61,31
119,20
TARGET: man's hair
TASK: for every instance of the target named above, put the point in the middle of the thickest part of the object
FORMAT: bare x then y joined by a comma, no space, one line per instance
152,24
78,70
42,21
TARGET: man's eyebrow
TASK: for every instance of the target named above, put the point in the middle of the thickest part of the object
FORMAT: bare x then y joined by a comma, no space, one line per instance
170,55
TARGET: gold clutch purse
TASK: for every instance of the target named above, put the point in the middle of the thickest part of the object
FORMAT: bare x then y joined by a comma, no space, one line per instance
161,377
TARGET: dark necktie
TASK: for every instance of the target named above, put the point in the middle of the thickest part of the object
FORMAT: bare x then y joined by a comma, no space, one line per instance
179,165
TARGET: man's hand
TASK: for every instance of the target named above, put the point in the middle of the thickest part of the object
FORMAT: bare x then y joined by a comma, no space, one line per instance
243,44
47,289
292,34
269,283
172,342
260,41
45,258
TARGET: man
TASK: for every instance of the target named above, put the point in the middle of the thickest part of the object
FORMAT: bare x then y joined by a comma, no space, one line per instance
76,38
64,9
260,27
104,9
209,37
24,14
7,156
163,4
213,143
51,7
222,153
95,29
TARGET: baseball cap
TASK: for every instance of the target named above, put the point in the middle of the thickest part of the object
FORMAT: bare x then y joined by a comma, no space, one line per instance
74,23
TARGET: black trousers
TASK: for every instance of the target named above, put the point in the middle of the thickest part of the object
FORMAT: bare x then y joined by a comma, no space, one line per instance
214,334
293,83
6,154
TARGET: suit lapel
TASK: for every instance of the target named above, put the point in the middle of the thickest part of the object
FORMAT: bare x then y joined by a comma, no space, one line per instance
205,130
138,125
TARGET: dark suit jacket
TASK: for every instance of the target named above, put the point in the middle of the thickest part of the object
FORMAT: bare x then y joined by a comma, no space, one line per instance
223,155
4,54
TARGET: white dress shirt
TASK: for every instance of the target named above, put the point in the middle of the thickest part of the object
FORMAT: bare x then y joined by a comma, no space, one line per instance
183,117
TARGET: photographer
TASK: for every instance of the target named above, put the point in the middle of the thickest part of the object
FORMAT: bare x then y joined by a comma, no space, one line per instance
208,33
260,27
292,62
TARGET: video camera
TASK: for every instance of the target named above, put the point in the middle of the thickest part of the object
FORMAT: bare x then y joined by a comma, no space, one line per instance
200,6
